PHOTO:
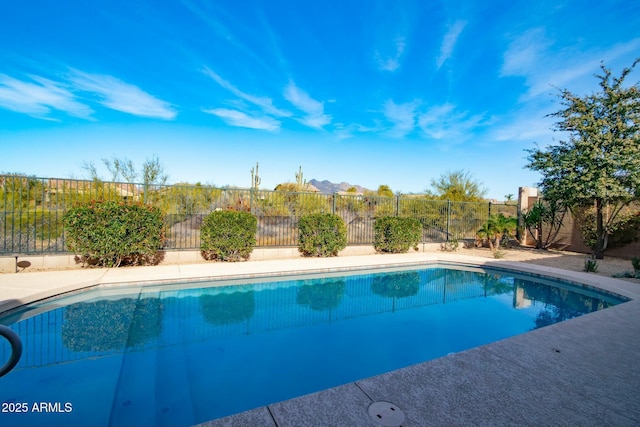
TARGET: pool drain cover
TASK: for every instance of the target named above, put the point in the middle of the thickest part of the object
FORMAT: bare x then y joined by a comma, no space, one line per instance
386,414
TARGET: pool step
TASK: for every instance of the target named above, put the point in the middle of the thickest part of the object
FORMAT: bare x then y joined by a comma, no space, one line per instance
174,405
134,400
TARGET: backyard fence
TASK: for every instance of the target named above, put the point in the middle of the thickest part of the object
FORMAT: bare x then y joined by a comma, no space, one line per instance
31,211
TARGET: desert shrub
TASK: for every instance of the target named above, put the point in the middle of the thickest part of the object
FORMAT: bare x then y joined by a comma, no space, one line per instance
106,233
228,235
635,274
321,235
396,234
450,245
624,230
43,224
350,203
183,200
590,265
270,203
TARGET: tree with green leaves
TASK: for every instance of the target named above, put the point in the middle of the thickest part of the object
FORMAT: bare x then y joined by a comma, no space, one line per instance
384,191
457,186
598,165
153,172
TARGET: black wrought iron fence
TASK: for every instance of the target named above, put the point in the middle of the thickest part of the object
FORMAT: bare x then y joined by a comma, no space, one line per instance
31,211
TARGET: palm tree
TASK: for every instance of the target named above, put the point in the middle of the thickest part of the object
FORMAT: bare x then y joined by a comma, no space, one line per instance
497,227
505,227
485,233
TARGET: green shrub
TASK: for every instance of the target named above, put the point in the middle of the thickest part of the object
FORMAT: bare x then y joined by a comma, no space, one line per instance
451,245
635,274
228,235
322,235
624,230
590,265
107,233
396,234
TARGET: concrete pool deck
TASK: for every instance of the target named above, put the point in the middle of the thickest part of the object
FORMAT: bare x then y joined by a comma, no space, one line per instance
580,372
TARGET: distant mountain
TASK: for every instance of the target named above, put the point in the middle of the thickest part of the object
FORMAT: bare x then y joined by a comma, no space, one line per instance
328,187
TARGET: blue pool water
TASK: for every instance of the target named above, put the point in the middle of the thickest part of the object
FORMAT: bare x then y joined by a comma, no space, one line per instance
183,354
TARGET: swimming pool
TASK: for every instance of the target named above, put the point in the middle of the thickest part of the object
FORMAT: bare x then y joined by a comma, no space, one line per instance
187,353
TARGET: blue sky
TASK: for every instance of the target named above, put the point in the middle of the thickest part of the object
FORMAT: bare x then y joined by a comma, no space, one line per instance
364,91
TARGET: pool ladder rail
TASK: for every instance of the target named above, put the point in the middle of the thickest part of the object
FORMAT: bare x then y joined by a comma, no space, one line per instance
16,349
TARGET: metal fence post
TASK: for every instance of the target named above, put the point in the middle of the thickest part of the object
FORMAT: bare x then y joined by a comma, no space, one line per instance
333,208
448,217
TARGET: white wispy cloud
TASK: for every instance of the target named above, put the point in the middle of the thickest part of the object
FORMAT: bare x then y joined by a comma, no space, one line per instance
525,52
314,110
240,119
343,131
444,122
529,125
545,66
38,97
402,116
392,63
120,96
265,103
449,42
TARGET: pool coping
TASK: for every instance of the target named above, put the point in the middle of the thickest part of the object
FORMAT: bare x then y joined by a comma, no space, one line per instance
524,380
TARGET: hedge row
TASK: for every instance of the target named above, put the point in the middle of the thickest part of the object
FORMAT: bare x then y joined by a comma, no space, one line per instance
110,233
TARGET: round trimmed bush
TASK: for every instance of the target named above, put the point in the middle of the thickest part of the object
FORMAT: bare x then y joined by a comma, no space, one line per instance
106,233
228,235
321,235
396,234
